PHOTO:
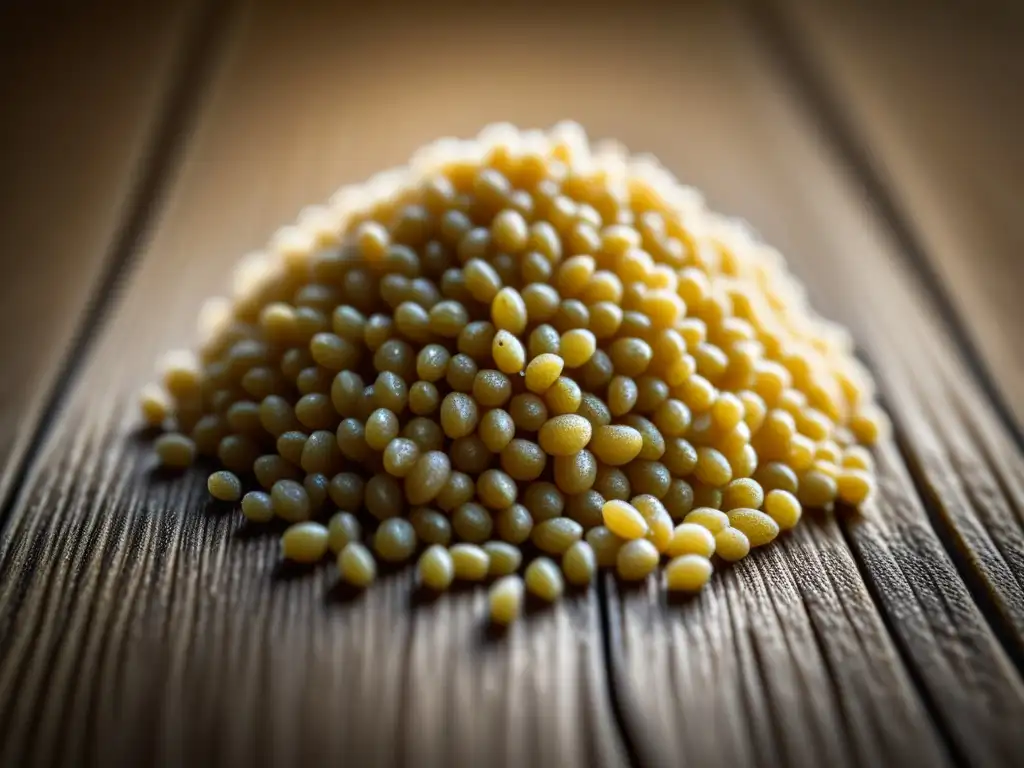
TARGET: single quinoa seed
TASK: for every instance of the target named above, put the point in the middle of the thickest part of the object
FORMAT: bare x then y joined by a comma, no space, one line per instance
224,486
505,558
579,564
435,568
544,579
556,535
688,573
691,539
257,507
605,544
305,542
636,560
731,544
521,342
175,451
342,529
624,520
505,600
356,565
471,562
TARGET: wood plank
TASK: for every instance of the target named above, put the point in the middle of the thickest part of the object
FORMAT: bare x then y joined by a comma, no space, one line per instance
130,579
935,99
965,458
144,629
81,93
818,218
784,659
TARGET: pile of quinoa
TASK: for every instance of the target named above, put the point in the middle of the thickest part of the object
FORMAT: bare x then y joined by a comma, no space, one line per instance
519,360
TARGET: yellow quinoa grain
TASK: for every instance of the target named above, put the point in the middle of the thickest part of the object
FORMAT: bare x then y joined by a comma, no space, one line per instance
563,397
712,467
731,544
783,508
659,523
691,538
342,528
504,558
758,527
155,405
496,430
346,491
175,450
605,545
257,507
688,573
471,562
742,492
508,311
713,519
505,600
527,337
304,542
395,540
564,435
435,568
624,520
224,486
816,489
431,526
577,347
579,564
636,560
853,486
575,473
356,565
472,522
544,579
496,489
556,535
514,524
616,444
290,500
459,414
508,352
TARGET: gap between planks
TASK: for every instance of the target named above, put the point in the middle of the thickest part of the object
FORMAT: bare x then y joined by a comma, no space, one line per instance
202,41
796,59
1005,612
988,464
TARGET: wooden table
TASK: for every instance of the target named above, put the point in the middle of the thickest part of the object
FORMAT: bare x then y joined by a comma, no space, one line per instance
146,147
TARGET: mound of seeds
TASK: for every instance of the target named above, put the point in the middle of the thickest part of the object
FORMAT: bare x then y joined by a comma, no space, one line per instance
521,354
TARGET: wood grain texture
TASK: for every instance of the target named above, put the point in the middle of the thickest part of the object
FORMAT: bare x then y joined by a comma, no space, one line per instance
81,92
142,624
782,660
828,231
934,96
964,458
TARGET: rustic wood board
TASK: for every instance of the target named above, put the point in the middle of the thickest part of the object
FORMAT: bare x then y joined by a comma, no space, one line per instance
935,98
141,624
968,471
963,450
83,95
151,607
897,564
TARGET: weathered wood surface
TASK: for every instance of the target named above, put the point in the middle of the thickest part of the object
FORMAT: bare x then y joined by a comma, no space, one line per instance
796,193
934,96
83,94
140,624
